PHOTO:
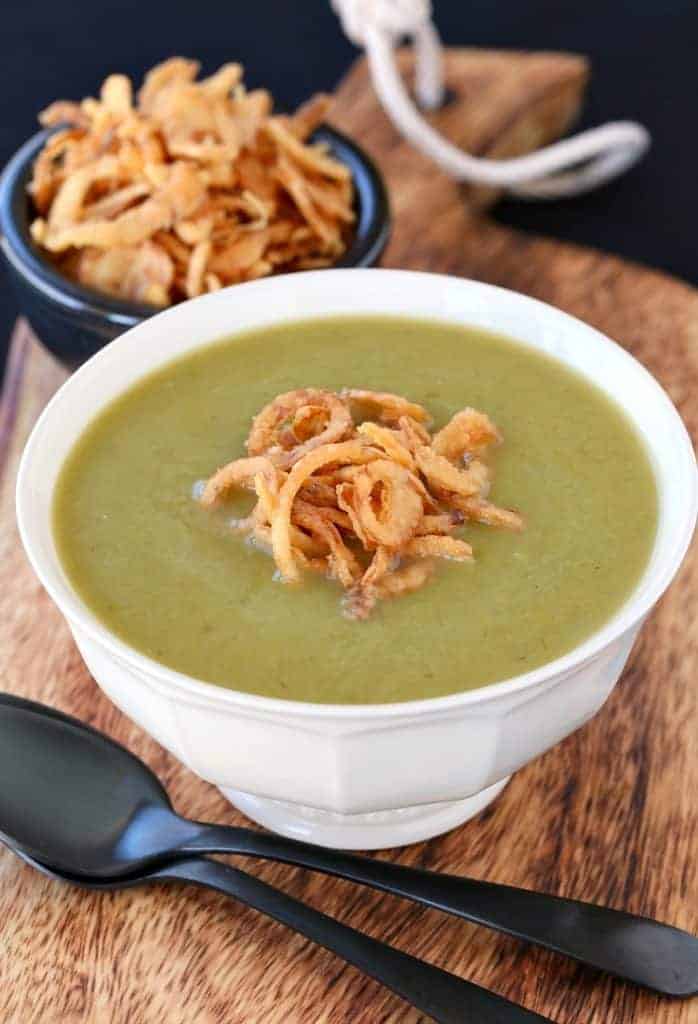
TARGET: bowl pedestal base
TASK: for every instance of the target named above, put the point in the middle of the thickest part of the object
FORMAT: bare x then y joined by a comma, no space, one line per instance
374,831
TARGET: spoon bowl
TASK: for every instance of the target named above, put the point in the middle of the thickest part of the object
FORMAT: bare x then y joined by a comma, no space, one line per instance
77,800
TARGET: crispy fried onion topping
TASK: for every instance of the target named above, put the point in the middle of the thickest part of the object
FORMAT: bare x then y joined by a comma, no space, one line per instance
187,186
372,504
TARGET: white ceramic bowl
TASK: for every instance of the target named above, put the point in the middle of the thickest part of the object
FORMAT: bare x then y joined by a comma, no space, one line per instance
360,776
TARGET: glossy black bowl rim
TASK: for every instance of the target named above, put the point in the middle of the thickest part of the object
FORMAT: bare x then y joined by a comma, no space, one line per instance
372,230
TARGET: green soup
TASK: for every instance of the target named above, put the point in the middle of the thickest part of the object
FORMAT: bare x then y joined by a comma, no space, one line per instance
170,578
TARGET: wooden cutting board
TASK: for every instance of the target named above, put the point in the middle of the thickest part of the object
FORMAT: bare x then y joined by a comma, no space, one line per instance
609,815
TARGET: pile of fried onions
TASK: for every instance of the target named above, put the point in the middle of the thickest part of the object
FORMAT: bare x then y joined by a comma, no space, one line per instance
354,485
187,187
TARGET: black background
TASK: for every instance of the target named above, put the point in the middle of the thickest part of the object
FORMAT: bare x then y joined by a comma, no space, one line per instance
645,66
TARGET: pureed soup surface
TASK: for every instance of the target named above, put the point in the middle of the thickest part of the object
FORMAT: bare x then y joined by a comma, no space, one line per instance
171,579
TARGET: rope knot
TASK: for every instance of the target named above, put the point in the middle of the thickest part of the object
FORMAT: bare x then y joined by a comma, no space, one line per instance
566,168
394,17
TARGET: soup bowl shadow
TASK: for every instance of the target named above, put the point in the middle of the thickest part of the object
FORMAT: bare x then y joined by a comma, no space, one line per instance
360,776
73,321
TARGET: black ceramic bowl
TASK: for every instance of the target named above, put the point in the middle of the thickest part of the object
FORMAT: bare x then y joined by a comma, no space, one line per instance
74,322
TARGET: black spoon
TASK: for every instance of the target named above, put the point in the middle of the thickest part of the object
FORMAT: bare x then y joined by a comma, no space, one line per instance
446,998
79,802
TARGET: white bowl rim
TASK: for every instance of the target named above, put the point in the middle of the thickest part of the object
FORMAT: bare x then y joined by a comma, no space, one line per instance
630,613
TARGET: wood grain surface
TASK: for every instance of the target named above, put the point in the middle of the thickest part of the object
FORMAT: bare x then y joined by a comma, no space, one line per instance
609,815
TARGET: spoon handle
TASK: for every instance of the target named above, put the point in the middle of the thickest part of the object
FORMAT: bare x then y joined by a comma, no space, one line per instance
637,949
446,998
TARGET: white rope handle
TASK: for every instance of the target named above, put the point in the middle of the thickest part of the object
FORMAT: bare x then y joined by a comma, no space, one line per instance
566,168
